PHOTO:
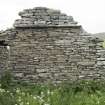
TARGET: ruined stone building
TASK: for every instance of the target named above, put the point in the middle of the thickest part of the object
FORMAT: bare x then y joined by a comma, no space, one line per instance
46,45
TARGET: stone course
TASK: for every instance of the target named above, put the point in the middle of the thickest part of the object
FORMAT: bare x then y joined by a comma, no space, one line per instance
49,46
42,16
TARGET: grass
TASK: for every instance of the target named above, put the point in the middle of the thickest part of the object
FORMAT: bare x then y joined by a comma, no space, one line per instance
78,93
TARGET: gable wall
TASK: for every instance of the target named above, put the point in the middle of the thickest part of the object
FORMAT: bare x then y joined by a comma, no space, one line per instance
52,54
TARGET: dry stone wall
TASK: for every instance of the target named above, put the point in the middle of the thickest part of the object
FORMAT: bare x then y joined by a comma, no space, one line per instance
3,59
100,58
42,16
48,46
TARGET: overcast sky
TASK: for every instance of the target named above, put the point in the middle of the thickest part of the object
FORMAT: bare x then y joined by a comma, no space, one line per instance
89,13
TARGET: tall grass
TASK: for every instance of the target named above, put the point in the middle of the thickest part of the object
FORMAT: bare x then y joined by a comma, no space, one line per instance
77,93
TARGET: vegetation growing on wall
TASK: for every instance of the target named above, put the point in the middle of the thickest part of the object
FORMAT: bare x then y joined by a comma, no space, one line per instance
78,93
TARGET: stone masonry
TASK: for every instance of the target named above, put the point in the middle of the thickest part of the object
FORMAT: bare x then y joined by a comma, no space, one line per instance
41,16
49,46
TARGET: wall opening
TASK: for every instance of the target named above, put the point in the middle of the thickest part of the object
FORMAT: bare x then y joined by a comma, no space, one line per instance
3,43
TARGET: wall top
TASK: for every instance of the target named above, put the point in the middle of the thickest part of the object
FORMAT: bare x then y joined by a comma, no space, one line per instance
42,16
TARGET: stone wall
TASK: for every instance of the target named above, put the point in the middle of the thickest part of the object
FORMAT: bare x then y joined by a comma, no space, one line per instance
3,59
51,54
100,58
55,52
42,16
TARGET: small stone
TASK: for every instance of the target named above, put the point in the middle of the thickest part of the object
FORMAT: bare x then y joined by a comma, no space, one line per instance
86,63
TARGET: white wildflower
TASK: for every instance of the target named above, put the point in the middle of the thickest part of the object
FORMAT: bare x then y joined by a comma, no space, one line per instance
27,103
98,102
2,90
23,93
52,93
35,97
11,94
40,99
46,104
42,94
48,92
19,99
48,99
17,90
8,91
21,103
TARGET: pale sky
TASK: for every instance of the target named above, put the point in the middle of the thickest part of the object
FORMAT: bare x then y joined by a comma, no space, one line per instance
89,13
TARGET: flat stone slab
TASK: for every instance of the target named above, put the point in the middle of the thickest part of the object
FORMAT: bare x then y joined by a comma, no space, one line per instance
86,63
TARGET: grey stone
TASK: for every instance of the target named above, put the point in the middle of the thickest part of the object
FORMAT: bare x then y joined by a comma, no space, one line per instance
43,16
47,45
84,63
